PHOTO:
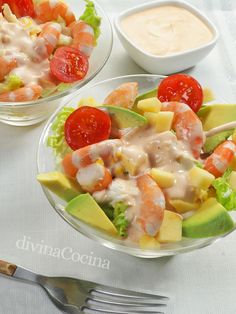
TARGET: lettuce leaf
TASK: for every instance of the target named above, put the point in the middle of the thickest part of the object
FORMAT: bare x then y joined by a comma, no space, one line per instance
224,193
119,220
91,18
11,83
56,89
57,139
108,210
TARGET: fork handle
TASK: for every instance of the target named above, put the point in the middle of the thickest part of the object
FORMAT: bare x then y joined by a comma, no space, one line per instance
7,268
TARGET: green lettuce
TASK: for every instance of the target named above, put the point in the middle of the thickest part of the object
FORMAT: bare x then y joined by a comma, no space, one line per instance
56,89
91,18
225,195
11,83
198,164
108,210
57,139
119,219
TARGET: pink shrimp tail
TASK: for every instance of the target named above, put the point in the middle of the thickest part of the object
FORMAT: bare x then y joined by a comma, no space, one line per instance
152,205
27,93
83,37
47,40
221,158
47,11
6,65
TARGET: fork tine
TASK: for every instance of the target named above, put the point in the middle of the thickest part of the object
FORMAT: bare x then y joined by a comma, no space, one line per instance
125,303
122,293
98,310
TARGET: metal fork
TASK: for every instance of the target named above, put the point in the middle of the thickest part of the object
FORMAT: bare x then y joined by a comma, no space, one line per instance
76,296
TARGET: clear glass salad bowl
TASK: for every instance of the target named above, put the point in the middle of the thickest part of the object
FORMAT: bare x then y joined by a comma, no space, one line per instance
29,113
46,163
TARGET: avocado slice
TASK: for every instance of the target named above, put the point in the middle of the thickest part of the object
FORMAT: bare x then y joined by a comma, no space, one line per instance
125,118
213,141
85,208
59,184
211,219
216,114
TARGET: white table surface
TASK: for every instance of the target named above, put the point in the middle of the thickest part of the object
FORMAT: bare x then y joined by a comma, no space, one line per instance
200,282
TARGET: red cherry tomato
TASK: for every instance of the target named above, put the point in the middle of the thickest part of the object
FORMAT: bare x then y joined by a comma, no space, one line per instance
69,65
20,7
181,88
85,126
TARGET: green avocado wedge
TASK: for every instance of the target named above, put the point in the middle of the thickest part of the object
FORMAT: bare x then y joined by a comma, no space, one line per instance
216,114
85,208
211,219
125,118
59,184
213,141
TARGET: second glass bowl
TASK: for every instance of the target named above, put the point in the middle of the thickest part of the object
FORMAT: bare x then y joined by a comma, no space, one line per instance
29,113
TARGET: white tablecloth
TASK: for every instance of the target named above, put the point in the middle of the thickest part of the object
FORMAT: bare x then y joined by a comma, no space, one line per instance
200,282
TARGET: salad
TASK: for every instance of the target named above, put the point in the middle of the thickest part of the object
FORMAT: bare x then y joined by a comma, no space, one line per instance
44,48
147,168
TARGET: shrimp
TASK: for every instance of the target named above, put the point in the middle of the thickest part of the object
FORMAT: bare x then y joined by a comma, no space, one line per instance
123,96
152,205
94,178
26,93
47,41
6,65
51,10
187,125
221,158
85,156
83,37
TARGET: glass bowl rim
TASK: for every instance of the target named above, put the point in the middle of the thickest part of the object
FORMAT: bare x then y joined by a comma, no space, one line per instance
135,251
77,86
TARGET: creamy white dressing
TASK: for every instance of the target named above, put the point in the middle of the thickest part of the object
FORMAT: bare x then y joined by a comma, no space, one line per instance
166,30
167,153
90,175
119,190
17,44
145,149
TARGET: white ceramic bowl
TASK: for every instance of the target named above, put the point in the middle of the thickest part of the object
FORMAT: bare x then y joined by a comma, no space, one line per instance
165,64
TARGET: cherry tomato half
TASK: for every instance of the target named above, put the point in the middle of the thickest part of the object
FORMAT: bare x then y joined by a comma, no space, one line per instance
85,126
182,88
69,64
20,7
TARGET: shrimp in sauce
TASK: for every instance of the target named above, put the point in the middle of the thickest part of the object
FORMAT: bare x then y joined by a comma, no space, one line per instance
221,158
26,93
123,96
187,125
83,37
51,10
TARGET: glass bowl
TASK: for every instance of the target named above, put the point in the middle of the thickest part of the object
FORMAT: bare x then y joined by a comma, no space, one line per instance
46,163
29,113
